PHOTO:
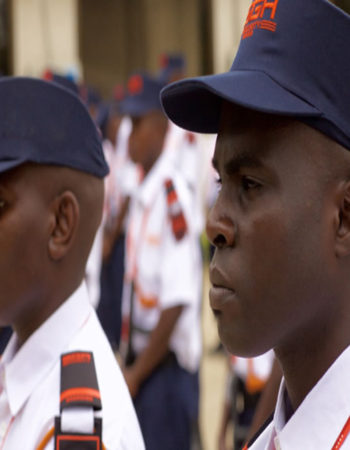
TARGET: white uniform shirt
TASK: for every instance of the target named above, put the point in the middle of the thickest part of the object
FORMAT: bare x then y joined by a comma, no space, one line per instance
169,272
319,420
184,153
124,175
30,380
93,269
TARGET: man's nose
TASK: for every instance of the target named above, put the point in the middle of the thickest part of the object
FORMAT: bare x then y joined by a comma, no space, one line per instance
220,228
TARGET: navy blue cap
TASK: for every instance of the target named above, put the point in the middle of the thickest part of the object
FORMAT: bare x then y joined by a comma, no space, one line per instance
62,80
90,95
292,60
143,95
106,110
171,63
44,123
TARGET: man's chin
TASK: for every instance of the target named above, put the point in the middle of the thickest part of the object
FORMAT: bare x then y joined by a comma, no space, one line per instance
241,346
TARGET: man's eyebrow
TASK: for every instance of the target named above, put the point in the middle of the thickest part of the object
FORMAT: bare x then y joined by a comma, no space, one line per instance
242,160
234,164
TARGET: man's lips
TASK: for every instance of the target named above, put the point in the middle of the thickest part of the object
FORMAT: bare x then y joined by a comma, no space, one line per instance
219,296
220,292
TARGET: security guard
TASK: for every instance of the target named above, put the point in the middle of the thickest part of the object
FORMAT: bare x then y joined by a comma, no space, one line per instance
183,147
162,290
281,222
51,197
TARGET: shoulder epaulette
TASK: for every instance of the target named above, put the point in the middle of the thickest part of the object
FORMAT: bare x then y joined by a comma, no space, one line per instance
176,215
79,388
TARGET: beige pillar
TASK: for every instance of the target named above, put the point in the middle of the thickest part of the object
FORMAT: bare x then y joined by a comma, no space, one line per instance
228,19
45,34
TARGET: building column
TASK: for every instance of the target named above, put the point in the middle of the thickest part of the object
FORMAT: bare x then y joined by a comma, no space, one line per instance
44,35
228,19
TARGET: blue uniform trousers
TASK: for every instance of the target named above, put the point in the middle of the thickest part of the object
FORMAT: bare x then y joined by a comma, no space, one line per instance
167,407
109,308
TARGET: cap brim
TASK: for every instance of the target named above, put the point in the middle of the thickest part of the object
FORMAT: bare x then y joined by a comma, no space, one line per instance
10,164
195,103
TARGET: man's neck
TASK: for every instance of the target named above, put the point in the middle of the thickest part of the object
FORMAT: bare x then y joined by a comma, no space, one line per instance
307,360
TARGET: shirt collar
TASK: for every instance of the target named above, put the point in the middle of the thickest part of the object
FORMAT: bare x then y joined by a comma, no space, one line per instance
323,413
25,368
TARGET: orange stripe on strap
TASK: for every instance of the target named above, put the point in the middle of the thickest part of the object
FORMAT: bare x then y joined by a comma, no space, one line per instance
76,394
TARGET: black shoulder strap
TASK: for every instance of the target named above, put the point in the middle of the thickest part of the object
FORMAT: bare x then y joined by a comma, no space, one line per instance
79,387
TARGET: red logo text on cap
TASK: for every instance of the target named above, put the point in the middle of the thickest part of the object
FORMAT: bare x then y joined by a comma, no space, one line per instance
261,15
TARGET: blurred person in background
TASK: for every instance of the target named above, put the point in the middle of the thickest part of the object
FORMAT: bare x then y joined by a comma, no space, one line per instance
161,340
183,147
121,182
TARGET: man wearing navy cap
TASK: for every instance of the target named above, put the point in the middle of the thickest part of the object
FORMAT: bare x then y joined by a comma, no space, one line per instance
281,223
51,195
162,289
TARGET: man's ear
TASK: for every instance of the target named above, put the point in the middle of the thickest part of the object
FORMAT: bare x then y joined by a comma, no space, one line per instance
64,224
343,222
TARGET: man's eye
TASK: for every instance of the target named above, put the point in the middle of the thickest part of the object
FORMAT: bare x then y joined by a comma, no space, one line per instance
249,183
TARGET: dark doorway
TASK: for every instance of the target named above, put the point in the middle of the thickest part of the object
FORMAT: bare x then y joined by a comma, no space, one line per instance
5,38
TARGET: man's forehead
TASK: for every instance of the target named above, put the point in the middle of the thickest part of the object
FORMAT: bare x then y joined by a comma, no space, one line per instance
251,137
246,133
239,119
41,175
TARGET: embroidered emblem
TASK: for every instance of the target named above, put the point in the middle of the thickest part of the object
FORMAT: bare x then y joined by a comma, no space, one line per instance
261,15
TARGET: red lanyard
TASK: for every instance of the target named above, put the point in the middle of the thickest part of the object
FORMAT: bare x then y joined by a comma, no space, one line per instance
342,436
340,439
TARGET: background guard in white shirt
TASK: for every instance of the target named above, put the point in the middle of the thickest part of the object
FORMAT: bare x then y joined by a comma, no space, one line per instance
162,291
